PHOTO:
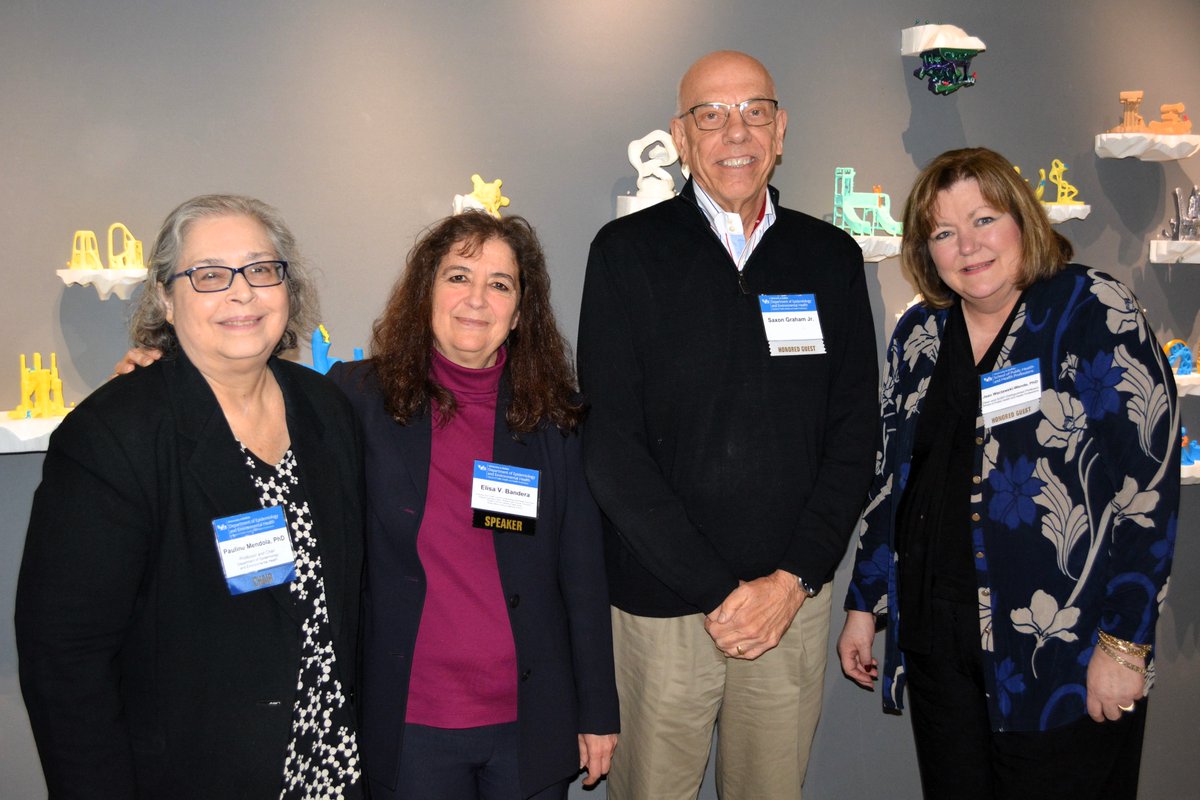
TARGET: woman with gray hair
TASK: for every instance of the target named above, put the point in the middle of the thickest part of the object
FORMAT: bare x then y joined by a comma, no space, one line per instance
187,607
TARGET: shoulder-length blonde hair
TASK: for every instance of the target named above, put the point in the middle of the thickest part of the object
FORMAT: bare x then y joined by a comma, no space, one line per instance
539,362
1044,251
148,326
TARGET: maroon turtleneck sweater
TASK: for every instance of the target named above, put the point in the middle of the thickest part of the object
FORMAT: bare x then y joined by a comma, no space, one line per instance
464,671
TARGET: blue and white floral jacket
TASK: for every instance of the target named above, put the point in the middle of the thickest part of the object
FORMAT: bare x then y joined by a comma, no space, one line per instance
1073,519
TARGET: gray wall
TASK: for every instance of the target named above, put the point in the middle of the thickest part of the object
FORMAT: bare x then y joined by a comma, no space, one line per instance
360,122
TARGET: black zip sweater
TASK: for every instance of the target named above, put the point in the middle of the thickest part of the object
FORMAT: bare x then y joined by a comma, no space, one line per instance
713,461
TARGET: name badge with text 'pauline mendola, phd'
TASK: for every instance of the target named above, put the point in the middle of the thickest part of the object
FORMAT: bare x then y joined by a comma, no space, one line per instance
1010,393
504,498
255,550
792,325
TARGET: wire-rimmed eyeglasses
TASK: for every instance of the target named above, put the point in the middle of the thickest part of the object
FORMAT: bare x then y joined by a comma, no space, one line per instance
756,112
213,278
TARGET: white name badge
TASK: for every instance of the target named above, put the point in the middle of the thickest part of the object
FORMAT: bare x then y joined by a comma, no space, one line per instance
1010,393
792,324
504,498
255,550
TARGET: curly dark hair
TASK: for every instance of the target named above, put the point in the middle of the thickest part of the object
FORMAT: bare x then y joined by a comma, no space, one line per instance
539,364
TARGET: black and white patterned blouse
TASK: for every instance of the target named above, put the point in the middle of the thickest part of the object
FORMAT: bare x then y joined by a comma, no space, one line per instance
322,757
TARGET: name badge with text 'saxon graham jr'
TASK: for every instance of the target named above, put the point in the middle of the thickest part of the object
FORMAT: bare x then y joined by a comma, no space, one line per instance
792,324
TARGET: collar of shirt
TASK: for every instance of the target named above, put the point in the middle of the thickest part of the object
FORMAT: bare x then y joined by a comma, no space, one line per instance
728,226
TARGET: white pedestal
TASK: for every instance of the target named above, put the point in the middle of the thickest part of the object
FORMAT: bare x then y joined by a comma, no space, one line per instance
1147,146
1169,251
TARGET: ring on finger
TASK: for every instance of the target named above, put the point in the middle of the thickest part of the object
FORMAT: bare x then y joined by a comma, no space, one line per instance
740,651
1127,708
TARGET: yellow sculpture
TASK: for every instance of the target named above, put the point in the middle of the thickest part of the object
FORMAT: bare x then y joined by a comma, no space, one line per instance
1066,192
126,267
85,253
41,391
130,256
488,195
1041,184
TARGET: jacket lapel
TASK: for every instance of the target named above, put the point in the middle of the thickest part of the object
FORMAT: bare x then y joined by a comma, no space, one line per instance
216,463
414,445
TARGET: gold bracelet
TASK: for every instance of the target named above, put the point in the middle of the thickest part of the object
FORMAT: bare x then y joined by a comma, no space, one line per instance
1122,646
1117,658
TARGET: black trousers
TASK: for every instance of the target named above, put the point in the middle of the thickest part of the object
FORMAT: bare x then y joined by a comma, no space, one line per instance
961,757
462,764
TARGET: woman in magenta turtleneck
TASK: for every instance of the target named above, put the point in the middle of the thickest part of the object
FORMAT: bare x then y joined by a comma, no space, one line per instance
487,657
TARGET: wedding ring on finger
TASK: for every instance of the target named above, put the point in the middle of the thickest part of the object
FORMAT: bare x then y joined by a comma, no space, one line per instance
740,651
1127,708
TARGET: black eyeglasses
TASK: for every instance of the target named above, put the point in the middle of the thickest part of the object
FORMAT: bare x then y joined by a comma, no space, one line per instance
209,278
756,112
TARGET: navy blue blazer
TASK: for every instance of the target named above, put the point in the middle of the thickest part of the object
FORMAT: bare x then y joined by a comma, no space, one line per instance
554,583
143,676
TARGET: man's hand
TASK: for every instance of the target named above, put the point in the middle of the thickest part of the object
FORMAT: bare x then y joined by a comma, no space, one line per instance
754,617
1111,685
854,648
595,755
136,357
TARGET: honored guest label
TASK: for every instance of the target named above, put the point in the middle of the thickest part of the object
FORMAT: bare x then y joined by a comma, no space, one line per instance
1010,393
792,324
255,550
504,498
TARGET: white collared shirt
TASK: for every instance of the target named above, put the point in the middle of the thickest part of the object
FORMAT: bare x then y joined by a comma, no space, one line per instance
728,226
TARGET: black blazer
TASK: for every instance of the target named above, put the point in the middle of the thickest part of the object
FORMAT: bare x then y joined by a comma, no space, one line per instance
553,581
143,676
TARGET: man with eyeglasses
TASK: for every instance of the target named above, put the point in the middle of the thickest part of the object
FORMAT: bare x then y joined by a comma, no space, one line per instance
727,348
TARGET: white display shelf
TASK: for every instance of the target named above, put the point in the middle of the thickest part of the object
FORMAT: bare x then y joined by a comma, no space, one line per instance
1187,384
1061,212
108,282
1147,146
916,40
1169,251
629,203
26,435
877,248
1189,474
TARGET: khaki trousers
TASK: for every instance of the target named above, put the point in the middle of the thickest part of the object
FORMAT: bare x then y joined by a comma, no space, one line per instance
675,684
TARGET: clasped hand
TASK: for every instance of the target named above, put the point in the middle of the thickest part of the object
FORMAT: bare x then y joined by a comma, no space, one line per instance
755,615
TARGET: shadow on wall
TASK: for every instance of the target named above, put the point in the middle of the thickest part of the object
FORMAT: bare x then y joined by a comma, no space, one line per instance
1183,596
1139,219
934,124
1081,234
96,335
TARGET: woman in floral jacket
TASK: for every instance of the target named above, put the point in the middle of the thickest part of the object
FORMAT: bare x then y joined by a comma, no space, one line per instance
1019,531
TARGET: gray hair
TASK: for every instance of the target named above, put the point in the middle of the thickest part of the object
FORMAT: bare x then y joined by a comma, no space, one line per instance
148,326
